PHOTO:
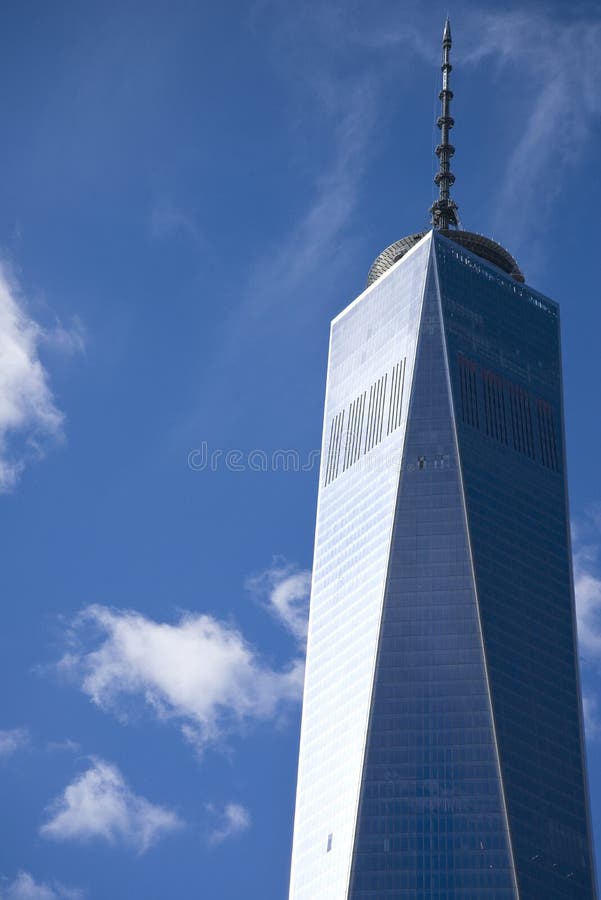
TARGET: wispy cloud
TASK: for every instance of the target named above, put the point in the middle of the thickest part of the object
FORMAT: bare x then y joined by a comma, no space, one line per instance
556,59
66,340
559,66
314,248
198,672
284,589
415,40
29,417
12,740
169,221
231,821
333,105
25,887
64,746
99,805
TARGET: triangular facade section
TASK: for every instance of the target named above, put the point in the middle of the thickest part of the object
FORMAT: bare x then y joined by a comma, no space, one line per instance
370,373
431,820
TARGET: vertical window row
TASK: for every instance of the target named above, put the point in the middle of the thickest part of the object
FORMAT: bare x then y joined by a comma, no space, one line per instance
547,435
395,402
469,392
352,447
370,413
364,418
511,415
494,406
375,416
521,420
333,458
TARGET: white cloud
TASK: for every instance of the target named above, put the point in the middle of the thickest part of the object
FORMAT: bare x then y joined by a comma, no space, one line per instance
232,820
100,805
284,590
11,740
592,724
586,537
29,417
587,584
199,672
24,887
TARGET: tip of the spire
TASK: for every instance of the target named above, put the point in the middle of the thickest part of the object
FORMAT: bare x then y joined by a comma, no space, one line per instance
446,35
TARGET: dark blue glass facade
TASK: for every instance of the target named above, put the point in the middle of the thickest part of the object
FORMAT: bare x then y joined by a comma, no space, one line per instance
474,783
503,346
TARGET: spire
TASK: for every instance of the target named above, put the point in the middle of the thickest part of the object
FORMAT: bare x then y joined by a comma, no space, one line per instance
446,35
444,210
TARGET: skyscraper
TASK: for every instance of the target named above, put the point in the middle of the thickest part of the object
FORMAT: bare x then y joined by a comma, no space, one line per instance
441,746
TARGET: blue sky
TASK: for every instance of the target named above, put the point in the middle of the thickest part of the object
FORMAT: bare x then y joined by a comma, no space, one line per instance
188,194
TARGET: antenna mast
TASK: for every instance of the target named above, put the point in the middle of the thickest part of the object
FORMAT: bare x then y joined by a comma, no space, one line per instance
444,210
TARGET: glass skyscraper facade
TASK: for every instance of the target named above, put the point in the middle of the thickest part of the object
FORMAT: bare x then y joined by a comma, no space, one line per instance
441,746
